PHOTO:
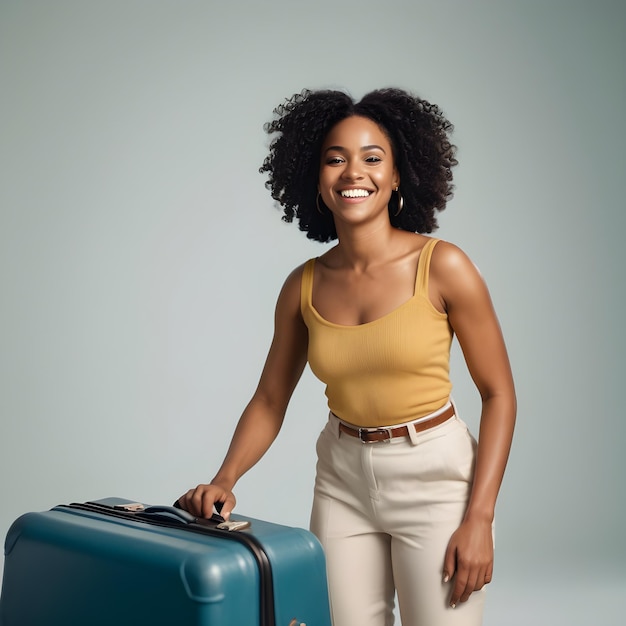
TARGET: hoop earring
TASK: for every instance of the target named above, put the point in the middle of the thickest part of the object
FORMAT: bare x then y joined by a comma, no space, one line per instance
317,203
400,202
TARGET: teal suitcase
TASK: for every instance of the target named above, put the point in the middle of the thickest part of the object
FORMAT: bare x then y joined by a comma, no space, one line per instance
116,561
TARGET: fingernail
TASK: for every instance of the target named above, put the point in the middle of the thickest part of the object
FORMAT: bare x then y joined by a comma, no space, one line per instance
453,606
446,578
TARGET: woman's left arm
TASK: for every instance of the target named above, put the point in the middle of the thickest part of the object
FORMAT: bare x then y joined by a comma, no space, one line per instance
456,281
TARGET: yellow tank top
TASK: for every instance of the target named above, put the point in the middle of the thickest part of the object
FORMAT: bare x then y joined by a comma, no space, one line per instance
392,370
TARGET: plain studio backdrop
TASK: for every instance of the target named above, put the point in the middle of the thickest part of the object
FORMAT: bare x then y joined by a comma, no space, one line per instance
141,255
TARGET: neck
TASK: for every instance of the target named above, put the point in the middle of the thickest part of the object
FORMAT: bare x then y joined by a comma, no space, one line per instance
369,245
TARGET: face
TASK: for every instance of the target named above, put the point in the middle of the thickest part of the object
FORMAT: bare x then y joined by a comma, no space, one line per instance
357,171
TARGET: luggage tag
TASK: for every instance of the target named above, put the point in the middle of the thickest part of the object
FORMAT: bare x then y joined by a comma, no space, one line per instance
232,525
131,507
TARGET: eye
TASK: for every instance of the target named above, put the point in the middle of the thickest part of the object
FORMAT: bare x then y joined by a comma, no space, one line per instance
373,159
334,160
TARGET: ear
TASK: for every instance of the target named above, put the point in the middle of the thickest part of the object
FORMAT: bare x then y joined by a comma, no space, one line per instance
396,178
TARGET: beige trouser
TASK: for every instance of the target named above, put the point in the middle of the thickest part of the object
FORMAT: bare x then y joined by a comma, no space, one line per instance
384,513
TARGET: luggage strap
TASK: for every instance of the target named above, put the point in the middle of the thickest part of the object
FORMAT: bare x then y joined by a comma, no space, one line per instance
171,517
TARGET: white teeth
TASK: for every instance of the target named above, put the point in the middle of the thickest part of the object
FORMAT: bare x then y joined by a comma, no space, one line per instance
355,193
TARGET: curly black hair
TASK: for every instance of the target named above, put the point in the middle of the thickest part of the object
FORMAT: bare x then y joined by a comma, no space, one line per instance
417,130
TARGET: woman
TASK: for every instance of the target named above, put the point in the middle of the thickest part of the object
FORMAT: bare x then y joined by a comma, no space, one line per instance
404,497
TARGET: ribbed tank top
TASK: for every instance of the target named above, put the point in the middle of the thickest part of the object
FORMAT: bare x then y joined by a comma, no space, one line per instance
391,370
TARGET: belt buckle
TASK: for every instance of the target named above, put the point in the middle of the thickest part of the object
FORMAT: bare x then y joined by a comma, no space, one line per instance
369,431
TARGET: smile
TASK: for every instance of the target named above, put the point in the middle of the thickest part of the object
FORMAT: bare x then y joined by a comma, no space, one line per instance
355,193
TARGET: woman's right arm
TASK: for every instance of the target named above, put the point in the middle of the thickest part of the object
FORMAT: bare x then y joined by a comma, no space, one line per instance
263,417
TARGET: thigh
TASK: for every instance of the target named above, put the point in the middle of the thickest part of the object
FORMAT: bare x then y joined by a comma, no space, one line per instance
423,597
438,490
358,557
358,565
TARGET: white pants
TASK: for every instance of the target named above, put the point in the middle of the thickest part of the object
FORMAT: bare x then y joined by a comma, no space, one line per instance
384,513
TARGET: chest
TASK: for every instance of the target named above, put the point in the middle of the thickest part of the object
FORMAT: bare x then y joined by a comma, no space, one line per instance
354,298
410,339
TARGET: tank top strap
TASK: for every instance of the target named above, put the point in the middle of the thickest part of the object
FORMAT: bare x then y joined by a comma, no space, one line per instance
306,286
423,267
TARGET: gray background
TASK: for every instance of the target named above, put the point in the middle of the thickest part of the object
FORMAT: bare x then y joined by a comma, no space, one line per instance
141,256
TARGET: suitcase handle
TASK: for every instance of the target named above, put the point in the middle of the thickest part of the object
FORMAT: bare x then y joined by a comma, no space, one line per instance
167,512
163,512
216,505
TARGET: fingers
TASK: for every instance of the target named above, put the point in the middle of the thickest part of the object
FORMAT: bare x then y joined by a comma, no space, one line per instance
469,578
449,563
201,500
468,561
489,573
228,505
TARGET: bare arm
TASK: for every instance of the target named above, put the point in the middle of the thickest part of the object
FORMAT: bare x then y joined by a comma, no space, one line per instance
470,311
262,418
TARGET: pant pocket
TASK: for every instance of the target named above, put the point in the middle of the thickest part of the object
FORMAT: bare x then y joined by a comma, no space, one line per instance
460,453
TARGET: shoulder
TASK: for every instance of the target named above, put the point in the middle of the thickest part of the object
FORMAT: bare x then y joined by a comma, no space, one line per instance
294,278
448,259
455,274
289,297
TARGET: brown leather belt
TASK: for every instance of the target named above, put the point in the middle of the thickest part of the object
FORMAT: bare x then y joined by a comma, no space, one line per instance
375,435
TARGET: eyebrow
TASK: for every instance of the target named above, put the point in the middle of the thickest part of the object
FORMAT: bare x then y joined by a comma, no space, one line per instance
363,149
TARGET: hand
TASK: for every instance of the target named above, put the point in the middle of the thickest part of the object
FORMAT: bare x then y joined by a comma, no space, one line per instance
200,501
469,559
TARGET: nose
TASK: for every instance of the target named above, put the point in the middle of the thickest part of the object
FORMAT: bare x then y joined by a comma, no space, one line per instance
352,170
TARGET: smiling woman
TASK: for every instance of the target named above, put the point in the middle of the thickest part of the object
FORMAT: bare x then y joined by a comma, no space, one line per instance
374,316
415,129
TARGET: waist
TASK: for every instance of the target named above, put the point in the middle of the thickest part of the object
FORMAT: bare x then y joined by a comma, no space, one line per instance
386,433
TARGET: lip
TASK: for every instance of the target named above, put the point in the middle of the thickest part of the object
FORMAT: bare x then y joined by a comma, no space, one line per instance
354,187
